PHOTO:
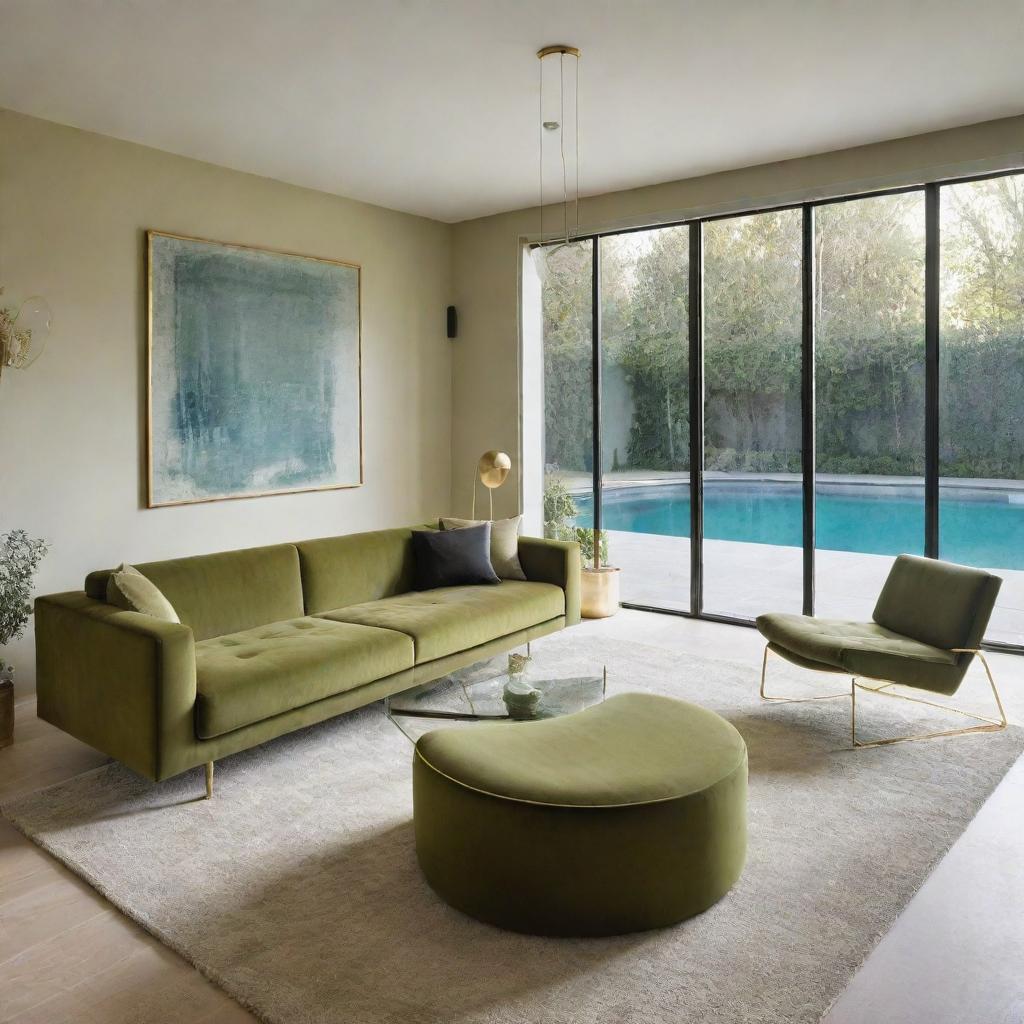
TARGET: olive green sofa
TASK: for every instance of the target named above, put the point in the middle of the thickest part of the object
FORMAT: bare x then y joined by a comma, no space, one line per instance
275,638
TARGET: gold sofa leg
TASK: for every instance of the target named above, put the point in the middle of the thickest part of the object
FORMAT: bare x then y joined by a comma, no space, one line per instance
209,779
987,724
789,700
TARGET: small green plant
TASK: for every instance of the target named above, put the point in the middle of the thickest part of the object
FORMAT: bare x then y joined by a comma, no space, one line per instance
14,341
20,556
559,509
560,512
584,536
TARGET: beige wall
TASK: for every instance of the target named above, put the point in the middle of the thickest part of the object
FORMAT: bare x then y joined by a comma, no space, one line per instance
73,209
486,399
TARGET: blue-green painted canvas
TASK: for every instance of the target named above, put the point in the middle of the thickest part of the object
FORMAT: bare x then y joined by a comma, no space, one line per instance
254,372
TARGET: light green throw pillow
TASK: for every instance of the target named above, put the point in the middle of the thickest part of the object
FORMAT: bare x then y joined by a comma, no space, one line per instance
504,544
127,588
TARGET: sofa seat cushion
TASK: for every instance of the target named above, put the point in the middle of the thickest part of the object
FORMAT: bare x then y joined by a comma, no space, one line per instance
247,677
452,619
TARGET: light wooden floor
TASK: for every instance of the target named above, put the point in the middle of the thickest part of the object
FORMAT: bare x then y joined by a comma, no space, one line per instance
66,955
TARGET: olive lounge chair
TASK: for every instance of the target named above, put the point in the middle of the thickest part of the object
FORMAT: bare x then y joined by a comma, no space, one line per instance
926,630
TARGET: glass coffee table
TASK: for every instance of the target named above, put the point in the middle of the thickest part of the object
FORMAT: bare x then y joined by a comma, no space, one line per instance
495,690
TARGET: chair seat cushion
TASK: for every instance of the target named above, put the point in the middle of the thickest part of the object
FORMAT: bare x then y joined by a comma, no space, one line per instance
246,677
451,619
860,648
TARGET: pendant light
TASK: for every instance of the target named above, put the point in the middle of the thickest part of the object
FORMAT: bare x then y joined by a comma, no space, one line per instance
560,137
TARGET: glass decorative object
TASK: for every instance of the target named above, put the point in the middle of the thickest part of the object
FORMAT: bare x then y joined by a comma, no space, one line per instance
520,696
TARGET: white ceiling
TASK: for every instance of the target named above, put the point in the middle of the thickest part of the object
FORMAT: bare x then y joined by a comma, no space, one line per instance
430,106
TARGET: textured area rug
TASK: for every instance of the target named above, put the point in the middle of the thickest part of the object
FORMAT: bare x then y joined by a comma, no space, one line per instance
296,888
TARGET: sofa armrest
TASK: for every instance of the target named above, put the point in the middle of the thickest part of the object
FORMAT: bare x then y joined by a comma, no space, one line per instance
123,682
554,561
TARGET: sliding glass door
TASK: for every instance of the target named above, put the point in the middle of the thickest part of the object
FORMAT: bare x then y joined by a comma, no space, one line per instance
870,396
785,400
981,417
753,507
565,273
645,413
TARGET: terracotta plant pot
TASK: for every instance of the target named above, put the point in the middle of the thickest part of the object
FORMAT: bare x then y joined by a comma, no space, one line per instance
599,592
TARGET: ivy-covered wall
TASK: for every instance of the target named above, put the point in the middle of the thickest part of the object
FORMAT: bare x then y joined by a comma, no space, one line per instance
869,370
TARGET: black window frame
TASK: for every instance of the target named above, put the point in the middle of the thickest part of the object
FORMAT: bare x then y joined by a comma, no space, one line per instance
932,191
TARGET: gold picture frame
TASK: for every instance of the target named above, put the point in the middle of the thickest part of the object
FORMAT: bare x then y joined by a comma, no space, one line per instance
199,267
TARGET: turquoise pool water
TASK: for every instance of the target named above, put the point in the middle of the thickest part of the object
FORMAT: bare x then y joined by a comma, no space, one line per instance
974,530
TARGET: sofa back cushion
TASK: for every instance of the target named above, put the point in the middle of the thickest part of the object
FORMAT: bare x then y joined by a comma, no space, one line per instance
225,592
341,571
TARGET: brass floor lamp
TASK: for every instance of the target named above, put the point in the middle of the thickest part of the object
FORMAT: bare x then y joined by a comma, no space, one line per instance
491,471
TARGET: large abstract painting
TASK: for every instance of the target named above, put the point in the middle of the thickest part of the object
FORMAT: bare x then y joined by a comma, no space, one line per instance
254,372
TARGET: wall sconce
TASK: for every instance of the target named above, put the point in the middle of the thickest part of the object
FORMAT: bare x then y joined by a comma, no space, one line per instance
23,332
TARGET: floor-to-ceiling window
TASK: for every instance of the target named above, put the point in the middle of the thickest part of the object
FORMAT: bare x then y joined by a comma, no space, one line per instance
870,396
850,370
645,416
753,507
566,309
981,413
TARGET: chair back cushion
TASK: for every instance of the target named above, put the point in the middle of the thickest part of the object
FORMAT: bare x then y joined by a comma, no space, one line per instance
938,603
226,592
341,571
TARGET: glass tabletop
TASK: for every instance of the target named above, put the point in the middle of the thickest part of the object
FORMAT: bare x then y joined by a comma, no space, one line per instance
509,687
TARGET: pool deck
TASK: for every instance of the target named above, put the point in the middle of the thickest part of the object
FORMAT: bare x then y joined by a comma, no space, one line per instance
745,580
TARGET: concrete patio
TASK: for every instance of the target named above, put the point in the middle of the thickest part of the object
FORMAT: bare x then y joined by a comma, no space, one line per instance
747,579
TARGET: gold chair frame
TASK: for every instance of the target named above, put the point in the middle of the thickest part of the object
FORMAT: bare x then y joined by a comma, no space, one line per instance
987,724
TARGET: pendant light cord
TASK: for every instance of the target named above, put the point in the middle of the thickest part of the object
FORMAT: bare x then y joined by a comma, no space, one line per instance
569,229
576,202
561,143
540,142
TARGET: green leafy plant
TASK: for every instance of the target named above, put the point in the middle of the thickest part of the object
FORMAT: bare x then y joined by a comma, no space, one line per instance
20,556
584,536
14,341
870,352
559,509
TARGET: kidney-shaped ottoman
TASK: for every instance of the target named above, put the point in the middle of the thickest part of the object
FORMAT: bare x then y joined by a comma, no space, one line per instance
626,816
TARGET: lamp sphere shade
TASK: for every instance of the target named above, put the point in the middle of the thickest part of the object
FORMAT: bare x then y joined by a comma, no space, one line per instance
493,467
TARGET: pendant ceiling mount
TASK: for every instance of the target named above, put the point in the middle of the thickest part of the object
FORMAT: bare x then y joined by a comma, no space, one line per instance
547,51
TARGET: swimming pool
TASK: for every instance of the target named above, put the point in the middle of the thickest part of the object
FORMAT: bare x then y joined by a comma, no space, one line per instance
975,528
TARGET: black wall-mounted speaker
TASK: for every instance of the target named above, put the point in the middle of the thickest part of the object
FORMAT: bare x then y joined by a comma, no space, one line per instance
453,322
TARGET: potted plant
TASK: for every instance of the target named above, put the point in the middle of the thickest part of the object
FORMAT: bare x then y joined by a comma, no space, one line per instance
20,556
599,582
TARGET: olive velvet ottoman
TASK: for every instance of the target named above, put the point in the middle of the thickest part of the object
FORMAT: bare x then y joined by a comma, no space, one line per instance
626,816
